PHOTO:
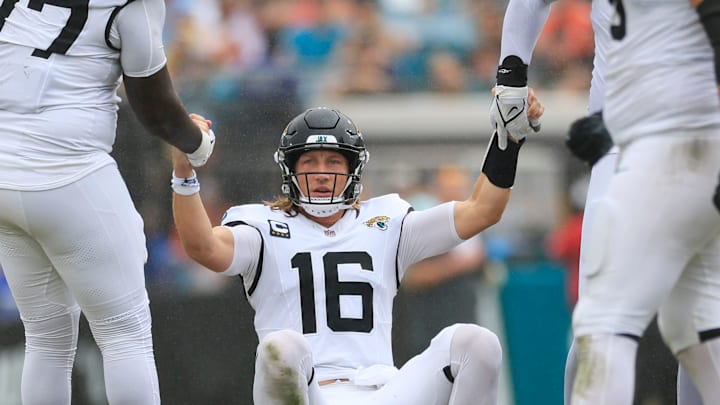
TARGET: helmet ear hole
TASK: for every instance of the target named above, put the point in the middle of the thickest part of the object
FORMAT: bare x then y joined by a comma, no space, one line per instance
358,189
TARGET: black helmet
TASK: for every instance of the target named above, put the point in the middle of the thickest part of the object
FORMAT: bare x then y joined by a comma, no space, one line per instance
322,128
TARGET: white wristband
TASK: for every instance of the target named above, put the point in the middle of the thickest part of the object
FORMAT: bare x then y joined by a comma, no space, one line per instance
185,186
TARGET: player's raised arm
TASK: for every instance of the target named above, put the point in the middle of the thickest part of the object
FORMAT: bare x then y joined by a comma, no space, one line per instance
147,81
523,22
492,189
210,246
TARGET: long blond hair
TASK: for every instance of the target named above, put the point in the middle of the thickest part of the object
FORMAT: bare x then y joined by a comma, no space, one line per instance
282,203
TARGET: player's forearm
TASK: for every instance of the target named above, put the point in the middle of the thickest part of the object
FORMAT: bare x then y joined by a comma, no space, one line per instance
191,218
193,226
159,109
432,271
522,24
483,209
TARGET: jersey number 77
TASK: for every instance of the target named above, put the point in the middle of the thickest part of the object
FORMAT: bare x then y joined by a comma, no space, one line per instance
69,33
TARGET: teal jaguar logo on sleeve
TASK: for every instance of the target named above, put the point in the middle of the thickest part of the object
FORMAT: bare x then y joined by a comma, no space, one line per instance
380,222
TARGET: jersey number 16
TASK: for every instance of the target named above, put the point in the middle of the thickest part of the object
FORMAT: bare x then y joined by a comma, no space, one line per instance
334,288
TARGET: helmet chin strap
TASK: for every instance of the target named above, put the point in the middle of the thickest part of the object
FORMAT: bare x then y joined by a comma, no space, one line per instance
324,210
322,207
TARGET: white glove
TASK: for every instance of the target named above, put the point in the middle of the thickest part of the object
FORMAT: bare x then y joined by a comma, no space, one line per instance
508,115
203,152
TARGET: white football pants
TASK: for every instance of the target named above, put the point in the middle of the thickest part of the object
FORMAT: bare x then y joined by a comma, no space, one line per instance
469,355
655,245
79,247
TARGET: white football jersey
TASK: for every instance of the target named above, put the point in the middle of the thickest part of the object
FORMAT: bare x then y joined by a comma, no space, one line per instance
660,74
600,16
59,74
336,286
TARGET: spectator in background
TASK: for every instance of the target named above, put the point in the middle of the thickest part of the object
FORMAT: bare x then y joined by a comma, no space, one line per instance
310,42
441,290
448,73
215,37
565,50
242,44
341,47
366,63
487,17
483,67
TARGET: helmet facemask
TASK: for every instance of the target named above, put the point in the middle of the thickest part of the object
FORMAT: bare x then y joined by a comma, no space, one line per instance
322,128
348,183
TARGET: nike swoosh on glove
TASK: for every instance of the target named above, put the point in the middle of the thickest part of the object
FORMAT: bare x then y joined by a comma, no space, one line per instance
508,114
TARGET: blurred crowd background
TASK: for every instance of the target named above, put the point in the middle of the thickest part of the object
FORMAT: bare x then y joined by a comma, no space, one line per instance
416,77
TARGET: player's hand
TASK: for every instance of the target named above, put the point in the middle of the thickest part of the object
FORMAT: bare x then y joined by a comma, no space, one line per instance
535,110
510,113
589,139
201,155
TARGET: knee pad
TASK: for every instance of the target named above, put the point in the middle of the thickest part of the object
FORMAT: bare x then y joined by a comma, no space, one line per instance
284,349
283,369
124,335
473,343
55,336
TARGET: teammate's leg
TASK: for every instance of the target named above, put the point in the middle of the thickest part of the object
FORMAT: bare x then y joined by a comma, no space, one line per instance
48,311
461,366
284,371
687,393
475,361
702,362
606,369
600,176
690,324
570,372
95,240
634,248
